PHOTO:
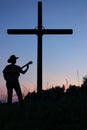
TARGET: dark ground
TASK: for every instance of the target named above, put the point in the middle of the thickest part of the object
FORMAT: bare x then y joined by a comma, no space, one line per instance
53,110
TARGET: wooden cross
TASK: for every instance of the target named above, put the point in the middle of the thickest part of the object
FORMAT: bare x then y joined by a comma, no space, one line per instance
39,31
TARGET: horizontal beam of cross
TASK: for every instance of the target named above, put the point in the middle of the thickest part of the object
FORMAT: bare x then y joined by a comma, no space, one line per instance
43,31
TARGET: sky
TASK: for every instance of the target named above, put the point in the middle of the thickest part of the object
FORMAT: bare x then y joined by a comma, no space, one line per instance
64,56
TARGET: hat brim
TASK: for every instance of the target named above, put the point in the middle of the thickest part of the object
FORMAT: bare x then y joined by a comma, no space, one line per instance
17,57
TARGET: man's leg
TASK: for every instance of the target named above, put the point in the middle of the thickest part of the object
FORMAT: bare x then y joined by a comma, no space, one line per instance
9,93
19,93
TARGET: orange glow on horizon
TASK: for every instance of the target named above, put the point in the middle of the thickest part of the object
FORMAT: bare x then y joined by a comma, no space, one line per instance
28,86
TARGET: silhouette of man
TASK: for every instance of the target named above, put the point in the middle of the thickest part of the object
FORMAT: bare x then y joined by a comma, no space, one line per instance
11,74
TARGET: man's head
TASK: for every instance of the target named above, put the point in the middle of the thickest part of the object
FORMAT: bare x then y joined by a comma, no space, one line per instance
12,59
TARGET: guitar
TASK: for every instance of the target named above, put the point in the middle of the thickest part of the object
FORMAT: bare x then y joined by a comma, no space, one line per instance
29,63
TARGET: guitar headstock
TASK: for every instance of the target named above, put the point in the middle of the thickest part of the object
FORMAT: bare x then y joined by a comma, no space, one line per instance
30,62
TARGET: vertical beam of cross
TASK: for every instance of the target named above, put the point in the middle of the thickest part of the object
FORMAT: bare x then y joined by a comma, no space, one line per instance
39,32
39,57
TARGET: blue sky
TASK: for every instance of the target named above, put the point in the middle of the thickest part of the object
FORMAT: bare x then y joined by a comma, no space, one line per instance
63,55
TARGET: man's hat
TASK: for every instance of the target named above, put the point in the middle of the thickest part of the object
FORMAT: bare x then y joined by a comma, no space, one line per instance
12,58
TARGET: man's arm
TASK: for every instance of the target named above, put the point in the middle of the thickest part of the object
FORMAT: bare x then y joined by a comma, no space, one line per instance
24,71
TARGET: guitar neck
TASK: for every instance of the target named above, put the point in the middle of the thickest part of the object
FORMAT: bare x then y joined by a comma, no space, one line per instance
30,62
